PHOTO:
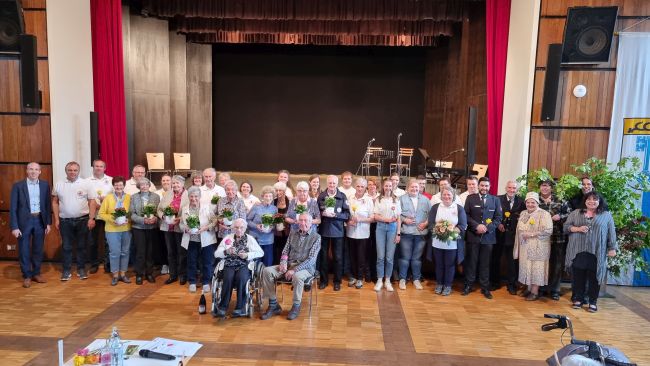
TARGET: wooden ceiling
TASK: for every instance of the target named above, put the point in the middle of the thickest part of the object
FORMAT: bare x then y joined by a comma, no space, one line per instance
317,22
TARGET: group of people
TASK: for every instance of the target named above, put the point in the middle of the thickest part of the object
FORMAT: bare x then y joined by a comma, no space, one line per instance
361,229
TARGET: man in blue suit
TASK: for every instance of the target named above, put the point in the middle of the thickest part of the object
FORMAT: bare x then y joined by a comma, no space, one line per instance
483,217
30,217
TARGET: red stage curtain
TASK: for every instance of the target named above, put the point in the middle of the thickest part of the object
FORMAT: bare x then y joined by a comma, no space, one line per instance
497,25
108,80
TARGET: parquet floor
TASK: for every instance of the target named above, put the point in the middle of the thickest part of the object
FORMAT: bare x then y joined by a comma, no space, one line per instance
353,327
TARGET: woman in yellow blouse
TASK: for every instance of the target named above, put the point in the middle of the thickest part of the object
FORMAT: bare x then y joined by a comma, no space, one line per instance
118,230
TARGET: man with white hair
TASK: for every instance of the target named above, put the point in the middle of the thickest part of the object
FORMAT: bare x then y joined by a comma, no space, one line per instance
131,186
209,189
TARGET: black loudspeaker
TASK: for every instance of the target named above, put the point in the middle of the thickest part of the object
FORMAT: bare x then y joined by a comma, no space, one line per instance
471,139
588,34
11,25
29,72
94,137
551,80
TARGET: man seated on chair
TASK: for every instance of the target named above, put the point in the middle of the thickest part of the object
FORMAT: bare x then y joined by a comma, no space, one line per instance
297,264
236,250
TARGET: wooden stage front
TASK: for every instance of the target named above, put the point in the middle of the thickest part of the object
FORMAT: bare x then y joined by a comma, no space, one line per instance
351,327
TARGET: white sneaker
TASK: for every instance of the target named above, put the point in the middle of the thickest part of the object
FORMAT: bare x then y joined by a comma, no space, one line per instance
418,285
164,269
379,285
192,288
206,289
352,281
402,284
389,286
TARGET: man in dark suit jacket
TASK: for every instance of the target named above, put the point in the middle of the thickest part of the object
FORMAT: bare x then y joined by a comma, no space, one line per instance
512,205
483,217
30,217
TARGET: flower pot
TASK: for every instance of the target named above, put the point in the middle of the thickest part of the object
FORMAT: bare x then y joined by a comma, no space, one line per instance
148,216
330,211
194,230
279,227
120,220
169,220
227,221
266,229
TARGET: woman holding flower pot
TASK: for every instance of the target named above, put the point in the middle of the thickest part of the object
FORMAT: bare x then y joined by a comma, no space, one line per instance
168,212
260,223
533,246
447,222
229,208
197,223
281,230
300,204
143,208
118,235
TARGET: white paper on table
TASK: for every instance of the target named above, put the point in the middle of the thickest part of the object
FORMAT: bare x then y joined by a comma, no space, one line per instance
183,350
173,347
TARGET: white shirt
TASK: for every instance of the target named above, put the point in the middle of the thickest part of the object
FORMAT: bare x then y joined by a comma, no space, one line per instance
399,192
73,198
450,214
130,187
361,207
385,207
161,192
436,199
207,193
348,192
250,201
101,186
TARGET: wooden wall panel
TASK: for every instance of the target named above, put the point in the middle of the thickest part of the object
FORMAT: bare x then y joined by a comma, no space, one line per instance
12,173
52,250
10,90
626,7
178,93
25,138
34,4
199,104
551,30
36,24
558,149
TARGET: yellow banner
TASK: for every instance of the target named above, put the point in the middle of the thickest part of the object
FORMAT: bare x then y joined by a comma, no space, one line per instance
636,126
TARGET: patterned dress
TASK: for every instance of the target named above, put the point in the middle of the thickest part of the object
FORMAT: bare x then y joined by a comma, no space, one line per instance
533,253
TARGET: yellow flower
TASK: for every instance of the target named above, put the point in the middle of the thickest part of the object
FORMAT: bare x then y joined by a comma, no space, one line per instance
531,221
488,221
354,208
507,214
99,192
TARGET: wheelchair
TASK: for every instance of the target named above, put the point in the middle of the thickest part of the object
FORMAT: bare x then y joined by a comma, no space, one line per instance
254,286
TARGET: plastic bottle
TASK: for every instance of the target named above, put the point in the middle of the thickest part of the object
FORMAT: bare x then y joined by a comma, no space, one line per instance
115,348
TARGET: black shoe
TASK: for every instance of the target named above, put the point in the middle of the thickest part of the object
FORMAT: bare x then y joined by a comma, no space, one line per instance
151,279
138,280
337,287
524,293
322,285
555,296
93,269
486,293
114,281
466,290
307,287
270,311
294,312
219,313
512,290
125,279
238,313
182,281
171,280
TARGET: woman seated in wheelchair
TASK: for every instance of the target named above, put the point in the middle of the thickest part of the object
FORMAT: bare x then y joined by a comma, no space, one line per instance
236,250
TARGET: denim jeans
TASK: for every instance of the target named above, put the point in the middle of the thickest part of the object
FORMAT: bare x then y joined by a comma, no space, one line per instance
30,247
445,265
385,237
411,249
194,249
118,248
74,231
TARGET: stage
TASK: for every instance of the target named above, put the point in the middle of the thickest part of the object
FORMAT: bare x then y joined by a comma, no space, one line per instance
351,327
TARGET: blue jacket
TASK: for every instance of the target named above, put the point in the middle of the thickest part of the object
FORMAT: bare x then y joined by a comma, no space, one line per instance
19,211
477,213
420,214
332,227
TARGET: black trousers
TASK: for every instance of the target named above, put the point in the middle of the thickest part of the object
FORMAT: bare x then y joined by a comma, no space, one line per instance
96,237
584,278
503,254
278,245
358,258
556,267
477,258
234,278
144,240
176,254
323,258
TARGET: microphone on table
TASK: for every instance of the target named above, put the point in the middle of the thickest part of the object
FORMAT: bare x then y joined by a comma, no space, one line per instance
145,353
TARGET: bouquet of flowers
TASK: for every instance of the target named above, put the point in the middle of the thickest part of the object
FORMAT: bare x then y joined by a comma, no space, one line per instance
267,221
148,211
330,203
119,215
215,199
445,231
278,220
193,223
227,215
169,213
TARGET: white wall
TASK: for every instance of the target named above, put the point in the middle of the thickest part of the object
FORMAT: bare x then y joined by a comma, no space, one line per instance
518,96
71,83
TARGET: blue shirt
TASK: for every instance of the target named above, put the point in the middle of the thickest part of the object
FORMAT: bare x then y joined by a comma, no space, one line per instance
34,190
254,218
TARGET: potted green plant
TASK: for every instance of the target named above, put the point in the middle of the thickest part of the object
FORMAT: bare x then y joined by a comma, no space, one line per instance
267,222
227,215
300,209
278,220
215,199
193,223
169,213
119,215
330,203
148,211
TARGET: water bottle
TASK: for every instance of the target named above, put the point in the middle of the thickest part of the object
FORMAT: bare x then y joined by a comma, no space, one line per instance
115,348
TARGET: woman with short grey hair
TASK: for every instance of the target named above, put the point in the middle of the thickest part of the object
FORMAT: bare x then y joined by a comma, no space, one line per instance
145,229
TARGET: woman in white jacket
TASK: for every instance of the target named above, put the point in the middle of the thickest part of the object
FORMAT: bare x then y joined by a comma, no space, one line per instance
236,250
198,240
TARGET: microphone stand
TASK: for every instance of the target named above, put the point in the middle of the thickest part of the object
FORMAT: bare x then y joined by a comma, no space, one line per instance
398,159
366,160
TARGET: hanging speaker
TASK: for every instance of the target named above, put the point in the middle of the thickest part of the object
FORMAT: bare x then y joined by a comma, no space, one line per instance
11,25
31,96
588,34
471,139
551,81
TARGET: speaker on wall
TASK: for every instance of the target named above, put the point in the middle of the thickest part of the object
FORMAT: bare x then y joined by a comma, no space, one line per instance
551,81
11,25
588,34
31,96
471,140
94,137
